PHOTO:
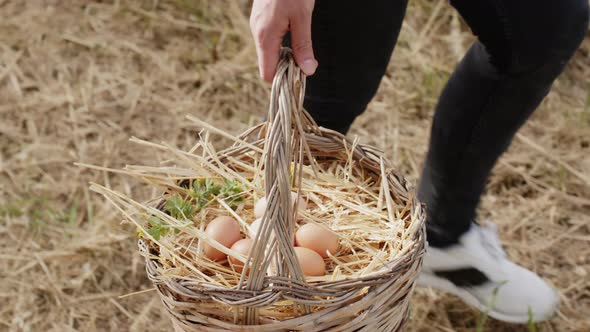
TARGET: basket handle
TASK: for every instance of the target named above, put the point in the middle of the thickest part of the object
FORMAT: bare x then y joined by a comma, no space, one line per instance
283,154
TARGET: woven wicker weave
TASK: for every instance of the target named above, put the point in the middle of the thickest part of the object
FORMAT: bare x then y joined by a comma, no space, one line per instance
375,302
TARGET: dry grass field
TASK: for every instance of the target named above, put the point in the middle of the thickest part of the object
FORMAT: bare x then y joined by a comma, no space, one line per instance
77,80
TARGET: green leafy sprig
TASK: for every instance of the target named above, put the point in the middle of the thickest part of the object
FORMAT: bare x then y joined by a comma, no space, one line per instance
203,192
232,193
179,208
157,228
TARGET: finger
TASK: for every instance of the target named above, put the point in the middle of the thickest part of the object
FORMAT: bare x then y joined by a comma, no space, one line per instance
301,43
268,38
268,58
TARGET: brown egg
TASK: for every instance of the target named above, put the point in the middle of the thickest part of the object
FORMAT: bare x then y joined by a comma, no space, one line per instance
242,247
224,230
260,206
312,264
317,238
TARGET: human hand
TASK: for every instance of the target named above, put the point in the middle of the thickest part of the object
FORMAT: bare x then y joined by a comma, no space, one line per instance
270,20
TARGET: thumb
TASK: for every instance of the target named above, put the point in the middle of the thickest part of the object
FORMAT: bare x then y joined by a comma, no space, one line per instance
301,44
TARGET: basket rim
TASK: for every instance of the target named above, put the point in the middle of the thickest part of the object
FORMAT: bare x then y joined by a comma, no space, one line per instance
368,154
416,249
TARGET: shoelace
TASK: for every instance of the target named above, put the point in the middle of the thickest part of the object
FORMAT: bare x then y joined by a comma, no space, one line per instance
490,240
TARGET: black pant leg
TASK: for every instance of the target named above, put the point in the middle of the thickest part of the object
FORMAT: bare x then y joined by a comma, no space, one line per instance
522,47
352,42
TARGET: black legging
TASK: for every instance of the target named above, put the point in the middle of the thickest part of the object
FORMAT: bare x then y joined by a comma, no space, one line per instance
522,46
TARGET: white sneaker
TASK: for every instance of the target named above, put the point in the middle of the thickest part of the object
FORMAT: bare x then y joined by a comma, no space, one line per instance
477,271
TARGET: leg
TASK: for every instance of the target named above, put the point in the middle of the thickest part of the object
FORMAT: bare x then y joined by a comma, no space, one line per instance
522,47
353,44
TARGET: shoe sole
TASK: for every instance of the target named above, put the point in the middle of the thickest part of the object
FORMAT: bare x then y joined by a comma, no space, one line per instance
429,280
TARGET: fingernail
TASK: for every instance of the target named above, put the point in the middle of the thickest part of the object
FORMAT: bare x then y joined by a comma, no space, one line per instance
309,66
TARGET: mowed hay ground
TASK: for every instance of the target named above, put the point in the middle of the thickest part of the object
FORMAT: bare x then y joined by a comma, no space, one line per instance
78,80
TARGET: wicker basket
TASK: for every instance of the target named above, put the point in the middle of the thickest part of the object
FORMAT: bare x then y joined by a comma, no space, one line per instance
375,302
